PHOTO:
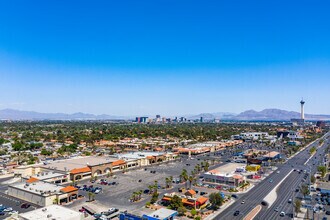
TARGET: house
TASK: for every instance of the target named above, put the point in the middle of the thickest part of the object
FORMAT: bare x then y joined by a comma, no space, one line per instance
190,193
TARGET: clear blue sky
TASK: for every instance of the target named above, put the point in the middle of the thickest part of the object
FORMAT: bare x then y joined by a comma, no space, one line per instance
169,57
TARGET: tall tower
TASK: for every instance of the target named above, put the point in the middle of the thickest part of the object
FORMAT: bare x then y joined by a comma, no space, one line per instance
302,102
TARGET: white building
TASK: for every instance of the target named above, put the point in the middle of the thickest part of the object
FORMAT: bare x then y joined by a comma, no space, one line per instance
52,212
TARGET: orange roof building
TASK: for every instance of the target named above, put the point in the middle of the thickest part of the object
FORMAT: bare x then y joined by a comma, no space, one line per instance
118,162
202,200
80,170
190,192
69,189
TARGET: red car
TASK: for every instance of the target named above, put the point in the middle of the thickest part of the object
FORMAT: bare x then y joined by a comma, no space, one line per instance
82,210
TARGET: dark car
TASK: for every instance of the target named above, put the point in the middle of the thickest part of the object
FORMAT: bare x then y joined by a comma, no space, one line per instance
146,191
140,181
327,212
203,193
2,213
234,196
25,206
236,213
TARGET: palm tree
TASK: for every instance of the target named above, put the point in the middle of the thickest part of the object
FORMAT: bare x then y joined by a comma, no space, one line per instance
91,196
156,186
167,180
185,177
150,187
139,193
133,197
190,178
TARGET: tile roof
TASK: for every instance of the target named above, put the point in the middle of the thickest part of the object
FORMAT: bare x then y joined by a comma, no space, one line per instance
68,189
118,162
80,170
191,191
32,180
201,200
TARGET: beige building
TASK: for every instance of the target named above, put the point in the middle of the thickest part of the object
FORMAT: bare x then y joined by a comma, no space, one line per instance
42,193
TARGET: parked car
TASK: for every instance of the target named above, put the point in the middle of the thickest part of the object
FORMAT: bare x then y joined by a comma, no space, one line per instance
25,205
9,209
282,214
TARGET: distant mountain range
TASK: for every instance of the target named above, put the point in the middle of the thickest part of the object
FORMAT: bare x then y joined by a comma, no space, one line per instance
13,114
250,115
276,114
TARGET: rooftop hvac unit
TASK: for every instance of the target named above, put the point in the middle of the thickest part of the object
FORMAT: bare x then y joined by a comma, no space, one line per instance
44,209
49,215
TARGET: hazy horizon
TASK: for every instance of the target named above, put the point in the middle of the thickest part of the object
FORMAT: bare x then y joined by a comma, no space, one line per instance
164,57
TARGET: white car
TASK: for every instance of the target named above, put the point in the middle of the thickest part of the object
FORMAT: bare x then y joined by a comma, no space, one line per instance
13,212
276,209
243,202
282,214
9,209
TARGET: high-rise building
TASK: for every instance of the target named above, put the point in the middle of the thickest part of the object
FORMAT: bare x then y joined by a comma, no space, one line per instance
302,102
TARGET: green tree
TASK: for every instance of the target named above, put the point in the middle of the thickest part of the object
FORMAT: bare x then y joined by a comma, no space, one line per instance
313,179
91,196
322,170
181,210
216,200
297,206
312,150
175,202
45,152
193,212
304,190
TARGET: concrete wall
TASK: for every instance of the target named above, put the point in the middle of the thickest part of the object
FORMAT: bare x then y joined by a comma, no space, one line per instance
31,197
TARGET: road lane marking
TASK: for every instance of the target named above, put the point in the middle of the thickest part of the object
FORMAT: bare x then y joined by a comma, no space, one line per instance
272,195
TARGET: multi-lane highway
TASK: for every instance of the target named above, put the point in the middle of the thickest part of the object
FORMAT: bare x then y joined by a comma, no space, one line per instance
285,191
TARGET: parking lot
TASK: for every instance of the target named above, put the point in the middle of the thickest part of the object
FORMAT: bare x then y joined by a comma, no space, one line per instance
13,203
118,195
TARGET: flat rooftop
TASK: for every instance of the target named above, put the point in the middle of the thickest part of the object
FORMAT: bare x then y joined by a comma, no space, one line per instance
73,163
139,154
163,213
52,212
38,187
48,175
229,168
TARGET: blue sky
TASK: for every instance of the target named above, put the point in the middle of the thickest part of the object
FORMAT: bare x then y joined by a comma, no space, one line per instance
168,56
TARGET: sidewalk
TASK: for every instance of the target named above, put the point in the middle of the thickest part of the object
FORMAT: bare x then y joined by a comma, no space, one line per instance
222,208
301,214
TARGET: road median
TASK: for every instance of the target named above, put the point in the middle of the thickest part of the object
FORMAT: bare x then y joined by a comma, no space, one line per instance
253,213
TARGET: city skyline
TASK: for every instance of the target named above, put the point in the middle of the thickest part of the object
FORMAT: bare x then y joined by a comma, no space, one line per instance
152,58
